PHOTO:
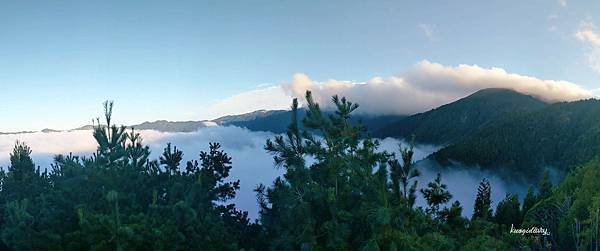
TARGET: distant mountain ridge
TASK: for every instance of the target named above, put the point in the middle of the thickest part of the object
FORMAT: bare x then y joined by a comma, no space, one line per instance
496,129
445,124
275,121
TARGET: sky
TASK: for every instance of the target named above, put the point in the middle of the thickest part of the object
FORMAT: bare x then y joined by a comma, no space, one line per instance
193,60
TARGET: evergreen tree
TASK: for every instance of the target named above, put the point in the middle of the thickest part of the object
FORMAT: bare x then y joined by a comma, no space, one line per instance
402,174
545,186
23,180
508,211
119,199
529,201
436,194
340,201
452,216
483,201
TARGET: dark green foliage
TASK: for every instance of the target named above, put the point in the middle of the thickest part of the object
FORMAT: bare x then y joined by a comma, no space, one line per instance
339,192
483,201
401,176
455,121
529,201
545,187
352,197
484,242
277,121
118,199
340,201
508,212
571,211
561,135
436,194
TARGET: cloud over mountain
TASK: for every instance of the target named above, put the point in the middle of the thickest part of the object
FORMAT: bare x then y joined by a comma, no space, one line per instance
428,85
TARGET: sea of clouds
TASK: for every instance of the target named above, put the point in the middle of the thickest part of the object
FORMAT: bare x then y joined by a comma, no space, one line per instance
251,163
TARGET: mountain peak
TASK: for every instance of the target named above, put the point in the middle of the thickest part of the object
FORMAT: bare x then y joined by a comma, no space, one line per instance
454,121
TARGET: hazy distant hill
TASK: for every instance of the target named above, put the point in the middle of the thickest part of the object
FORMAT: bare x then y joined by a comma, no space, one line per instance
230,119
9,133
454,121
561,135
173,126
278,121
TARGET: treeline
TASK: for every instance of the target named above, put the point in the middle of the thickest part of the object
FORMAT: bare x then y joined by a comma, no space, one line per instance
339,192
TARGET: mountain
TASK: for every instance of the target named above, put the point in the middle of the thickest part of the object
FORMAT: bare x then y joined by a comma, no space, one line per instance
173,126
232,119
11,133
48,130
278,121
454,121
561,135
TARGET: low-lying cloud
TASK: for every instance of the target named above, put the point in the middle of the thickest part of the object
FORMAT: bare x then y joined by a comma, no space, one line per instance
251,163
462,181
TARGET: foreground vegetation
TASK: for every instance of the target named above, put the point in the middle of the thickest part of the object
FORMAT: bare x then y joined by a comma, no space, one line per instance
339,192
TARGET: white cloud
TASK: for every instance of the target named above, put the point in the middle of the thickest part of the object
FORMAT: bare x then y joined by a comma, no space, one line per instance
590,37
426,29
596,92
428,85
562,3
267,98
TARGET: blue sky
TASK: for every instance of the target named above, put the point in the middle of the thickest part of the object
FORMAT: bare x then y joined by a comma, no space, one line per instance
171,59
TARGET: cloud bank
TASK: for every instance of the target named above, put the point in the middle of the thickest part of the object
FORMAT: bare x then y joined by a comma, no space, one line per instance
425,86
429,85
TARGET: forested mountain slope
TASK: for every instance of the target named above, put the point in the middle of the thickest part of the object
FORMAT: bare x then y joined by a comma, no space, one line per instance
454,121
561,135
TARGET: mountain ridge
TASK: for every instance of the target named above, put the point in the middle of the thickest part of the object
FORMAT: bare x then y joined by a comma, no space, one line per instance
453,121
560,136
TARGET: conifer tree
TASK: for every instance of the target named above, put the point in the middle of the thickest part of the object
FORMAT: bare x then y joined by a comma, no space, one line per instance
402,174
436,194
508,211
545,186
529,201
483,201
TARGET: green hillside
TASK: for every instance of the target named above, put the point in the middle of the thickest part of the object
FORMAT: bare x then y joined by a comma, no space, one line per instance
561,135
454,121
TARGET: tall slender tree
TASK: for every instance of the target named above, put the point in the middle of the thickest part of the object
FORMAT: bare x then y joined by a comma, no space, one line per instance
483,201
402,175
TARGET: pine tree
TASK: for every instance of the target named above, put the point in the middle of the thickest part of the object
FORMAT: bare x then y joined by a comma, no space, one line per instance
171,158
508,211
436,194
338,201
402,174
528,202
483,201
545,186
